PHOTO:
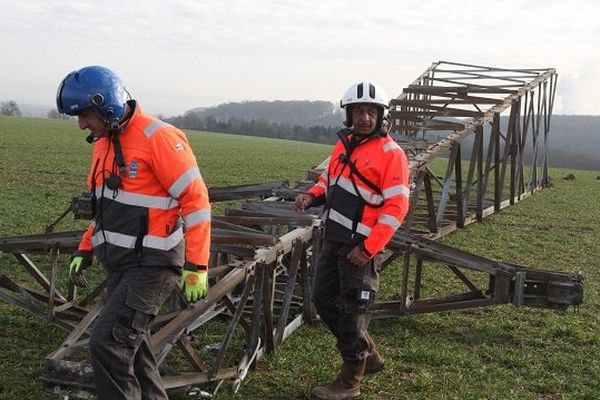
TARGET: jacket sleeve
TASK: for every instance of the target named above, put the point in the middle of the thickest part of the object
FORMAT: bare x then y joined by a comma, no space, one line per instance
395,189
319,189
176,169
86,240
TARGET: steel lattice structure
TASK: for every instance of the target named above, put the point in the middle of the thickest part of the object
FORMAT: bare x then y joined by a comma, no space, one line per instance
435,115
263,254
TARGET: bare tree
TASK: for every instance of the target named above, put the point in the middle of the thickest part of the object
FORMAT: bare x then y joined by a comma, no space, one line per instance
11,108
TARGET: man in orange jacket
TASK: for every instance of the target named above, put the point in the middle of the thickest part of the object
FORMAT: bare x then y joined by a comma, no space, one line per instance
365,191
144,180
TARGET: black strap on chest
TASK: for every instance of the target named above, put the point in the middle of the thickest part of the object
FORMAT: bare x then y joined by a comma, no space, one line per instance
115,130
350,146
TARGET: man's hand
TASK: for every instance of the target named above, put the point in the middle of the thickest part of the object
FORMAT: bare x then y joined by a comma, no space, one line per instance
303,201
77,267
358,257
194,284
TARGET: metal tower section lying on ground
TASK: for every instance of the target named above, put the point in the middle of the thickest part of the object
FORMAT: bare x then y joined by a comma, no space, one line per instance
436,116
263,254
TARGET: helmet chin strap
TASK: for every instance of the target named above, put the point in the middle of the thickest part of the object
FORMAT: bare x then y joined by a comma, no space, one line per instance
113,127
114,130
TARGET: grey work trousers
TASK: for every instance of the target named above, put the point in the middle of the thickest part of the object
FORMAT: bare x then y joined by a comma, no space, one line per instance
122,356
343,295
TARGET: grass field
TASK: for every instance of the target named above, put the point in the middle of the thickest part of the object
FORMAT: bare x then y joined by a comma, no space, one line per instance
488,353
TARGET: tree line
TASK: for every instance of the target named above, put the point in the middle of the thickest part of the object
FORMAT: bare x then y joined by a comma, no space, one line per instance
255,127
573,140
11,109
311,121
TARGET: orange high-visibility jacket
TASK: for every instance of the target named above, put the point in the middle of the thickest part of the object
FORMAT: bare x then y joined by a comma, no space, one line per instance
365,212
139,224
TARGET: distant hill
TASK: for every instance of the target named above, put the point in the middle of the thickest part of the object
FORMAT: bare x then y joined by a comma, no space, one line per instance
295,112
312,121
574,140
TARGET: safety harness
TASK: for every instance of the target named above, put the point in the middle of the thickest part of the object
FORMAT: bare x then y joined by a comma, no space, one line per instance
355,207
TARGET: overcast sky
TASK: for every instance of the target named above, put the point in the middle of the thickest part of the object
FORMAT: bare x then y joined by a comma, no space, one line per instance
178,55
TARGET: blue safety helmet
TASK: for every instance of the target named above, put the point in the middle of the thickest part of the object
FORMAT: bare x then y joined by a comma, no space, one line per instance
96,88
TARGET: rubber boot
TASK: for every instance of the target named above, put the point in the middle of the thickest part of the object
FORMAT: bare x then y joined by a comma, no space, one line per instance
346,385
374,362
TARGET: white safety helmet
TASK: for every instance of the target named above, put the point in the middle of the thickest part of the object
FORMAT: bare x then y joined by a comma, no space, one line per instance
364,92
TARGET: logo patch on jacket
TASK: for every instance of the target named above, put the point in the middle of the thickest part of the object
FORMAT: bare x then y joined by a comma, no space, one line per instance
133,169
178,147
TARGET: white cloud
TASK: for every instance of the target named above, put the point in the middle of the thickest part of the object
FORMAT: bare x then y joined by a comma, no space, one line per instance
179,55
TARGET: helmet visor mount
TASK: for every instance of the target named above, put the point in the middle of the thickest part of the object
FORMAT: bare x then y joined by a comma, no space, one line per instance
97,99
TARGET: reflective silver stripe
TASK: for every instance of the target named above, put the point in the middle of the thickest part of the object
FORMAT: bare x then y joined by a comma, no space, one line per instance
136,199
153,127
157,242
324,175
363,229
395,191
196,217
128,242
115,238
347,222
93,223
389,220
183,181
391,146
347,185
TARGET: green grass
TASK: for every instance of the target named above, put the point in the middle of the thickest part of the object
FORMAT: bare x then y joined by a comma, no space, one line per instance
488,353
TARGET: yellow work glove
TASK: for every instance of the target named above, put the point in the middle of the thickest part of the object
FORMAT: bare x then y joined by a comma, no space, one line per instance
194,282
79,262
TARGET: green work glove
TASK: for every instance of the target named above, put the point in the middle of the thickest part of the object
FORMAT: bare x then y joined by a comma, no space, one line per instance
194,282
79,262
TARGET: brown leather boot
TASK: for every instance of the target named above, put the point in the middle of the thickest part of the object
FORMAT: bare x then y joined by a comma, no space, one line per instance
346,385
374,362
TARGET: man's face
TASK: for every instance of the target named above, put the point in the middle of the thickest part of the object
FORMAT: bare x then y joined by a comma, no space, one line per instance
364,118
89,120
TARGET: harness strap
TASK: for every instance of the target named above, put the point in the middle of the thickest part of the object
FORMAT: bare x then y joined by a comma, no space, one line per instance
350,147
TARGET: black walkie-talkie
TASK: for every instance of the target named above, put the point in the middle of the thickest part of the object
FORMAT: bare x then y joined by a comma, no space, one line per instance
113,182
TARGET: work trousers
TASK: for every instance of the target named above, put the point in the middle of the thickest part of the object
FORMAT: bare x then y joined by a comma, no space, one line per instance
343,295
122,357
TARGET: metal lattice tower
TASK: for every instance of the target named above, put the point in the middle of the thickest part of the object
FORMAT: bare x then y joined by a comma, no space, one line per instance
454,110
